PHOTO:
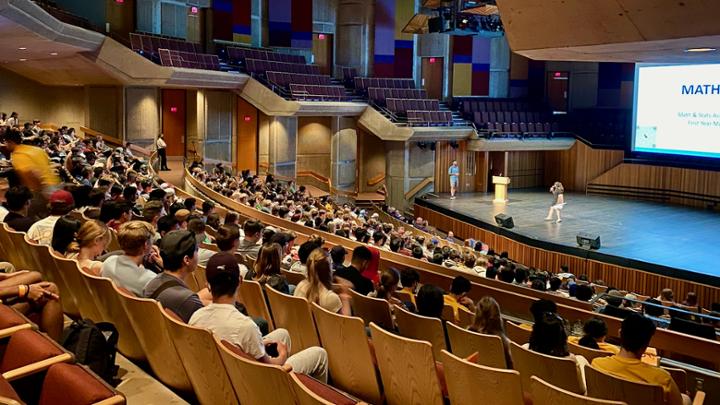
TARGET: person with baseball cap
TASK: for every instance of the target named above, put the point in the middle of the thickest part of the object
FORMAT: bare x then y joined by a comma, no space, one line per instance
61,202
179,252
227,323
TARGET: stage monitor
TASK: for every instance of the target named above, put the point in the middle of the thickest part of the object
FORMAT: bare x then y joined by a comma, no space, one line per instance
677,110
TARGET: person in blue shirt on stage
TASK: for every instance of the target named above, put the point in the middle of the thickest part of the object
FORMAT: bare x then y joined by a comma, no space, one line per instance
454,172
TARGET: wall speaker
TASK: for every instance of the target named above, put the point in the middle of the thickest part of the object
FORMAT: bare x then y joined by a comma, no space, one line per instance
589,240
505,221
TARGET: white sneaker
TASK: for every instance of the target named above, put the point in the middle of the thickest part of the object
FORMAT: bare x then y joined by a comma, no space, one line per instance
548,218
558,221
452,197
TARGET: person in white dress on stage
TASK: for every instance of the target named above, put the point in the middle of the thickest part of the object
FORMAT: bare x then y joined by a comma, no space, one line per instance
557,190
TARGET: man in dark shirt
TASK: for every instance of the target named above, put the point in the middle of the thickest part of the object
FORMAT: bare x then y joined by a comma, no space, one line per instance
17,202
360,259
179,252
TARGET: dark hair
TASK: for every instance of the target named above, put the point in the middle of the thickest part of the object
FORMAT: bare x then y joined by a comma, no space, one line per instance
437,258
583,292
636,332
541,306
507,274
361,253
16,197
409,277
548,336
337,253
213,220
64,233
130,193
538,284
223,282
593,329
379,236
388,283
521,275
656,310
207,206
173,256
491,272
460,285
196,225
252,227
166,224
226,235
417,252
113,210
189,204
395,244
13,136
555,283
305,249
430,301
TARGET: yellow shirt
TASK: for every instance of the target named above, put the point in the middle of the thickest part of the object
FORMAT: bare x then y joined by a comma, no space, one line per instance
33,164
410,292
606,347
636,371
450,300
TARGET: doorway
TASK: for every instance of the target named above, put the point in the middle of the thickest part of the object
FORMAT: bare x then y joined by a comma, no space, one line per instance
323,52
432,76
558,85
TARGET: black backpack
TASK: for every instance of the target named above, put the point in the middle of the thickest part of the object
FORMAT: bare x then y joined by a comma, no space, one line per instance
94,345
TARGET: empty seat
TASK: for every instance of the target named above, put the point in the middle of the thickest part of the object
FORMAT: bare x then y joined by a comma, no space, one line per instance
71,383
28,352
472,383
544,393
421,328
372,310
464,342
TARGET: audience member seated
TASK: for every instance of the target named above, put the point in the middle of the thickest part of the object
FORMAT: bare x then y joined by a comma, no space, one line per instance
410,279
179,253
594,334
458,296
430,301
318,286
666,296
360,261
17,201
228,240
488,321
63,235
227,323
267,269
92,239
387,286
635,335
61,203
197,227
337,255
583,292
28,294
249,244
549,337
126,270
303,252
614,307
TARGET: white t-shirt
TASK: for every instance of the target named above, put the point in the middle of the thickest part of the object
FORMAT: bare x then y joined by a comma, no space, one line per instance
42,230
3,213
328,299
225,321
161,144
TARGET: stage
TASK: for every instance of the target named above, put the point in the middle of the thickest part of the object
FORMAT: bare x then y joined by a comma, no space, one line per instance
666,239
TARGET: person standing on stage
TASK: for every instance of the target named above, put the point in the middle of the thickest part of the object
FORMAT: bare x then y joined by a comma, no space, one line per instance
454,172
557,190
161,149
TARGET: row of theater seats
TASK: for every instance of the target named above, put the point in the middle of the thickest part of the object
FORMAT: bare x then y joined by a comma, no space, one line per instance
402,105
528,128
191,60
363,83
185,358
36,370
317,92
469,106
151,44
284,79
429,118
236,54
379,95
482,117
260,66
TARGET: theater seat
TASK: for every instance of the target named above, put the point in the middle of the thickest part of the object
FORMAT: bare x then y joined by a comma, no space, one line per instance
29,352
71,383
8,395
12,321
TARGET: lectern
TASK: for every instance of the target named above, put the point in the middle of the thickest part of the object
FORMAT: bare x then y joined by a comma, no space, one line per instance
501,186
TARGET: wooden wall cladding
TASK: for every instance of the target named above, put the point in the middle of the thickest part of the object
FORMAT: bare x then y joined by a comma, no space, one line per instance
526,169
579,165
623,278
467,161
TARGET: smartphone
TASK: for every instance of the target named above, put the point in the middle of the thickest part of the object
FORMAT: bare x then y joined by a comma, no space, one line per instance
271,349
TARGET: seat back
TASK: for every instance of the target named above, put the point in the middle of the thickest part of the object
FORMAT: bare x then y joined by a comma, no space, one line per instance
544,393
70,272
292,277
467,382
304,395
21,257
606,386
51,272
421,328
108,300
558,371
151,329
293,314
351,370
464,342
200,356
251,295
372,310
65,383
588,353
255,383
516,333
407,369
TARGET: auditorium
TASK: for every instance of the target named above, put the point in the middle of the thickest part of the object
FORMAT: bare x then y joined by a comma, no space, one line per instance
387,202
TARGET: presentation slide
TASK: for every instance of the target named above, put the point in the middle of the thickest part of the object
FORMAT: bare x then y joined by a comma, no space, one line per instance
677,110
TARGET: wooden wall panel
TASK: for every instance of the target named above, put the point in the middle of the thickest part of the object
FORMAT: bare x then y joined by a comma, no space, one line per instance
658,178
173,121
638,281
526,169
579,165
467,160
247,136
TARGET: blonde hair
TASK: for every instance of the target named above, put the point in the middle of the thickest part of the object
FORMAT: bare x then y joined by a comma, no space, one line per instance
133,236
318,274
90,231
487,317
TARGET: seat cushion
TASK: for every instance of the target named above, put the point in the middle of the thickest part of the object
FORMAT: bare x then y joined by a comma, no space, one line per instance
9,318
66,383
325,391
7,391
26,347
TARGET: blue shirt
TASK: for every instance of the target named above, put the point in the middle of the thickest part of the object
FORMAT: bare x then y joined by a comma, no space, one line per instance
454,171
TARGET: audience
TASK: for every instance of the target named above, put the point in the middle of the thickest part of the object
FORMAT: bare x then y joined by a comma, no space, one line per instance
352,275
127,270
457,297
430,301
17,201
64,234
61,203
92,239
594,333
249,244
488,321
317,287
267,269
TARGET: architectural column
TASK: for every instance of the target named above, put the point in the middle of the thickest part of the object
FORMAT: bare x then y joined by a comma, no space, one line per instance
142,115
282,146
354,35
407,165
499,67
343,153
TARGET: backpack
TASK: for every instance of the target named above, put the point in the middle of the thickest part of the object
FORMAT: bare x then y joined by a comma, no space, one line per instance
94,345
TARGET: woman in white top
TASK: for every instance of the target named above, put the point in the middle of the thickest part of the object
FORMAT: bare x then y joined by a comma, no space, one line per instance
557,190
92,238
317,287
161,146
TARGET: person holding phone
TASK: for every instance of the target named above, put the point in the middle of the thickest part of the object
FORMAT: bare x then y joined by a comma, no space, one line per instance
557,191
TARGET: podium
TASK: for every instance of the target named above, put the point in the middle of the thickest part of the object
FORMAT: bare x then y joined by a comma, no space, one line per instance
501,186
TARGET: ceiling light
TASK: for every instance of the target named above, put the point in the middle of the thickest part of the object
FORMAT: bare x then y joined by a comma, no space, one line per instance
23,60
701,50
53,53
22,48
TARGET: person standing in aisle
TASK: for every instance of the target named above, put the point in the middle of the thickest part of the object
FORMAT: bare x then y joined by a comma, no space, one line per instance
162,152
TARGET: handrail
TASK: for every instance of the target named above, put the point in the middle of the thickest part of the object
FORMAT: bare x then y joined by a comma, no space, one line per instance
513,299
418,187
314,175
375,180
115,141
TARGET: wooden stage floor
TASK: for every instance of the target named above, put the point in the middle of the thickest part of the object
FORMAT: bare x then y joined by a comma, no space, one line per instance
669,239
